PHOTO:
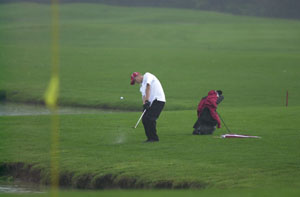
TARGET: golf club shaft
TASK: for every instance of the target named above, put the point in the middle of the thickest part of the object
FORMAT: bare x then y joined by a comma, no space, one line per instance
224,123
140,119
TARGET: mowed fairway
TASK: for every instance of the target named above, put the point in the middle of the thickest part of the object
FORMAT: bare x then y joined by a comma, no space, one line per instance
253,60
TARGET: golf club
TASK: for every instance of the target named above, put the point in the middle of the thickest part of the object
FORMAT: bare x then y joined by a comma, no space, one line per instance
139,119
224,123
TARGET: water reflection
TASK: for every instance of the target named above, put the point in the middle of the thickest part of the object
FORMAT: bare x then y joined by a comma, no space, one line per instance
19,189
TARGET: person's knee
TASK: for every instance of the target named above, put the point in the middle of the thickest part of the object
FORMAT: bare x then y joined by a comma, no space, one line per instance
146,119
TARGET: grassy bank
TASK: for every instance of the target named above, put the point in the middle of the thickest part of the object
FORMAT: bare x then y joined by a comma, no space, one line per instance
253,60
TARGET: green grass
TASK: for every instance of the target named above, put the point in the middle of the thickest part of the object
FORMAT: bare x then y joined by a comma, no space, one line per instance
253,60
101,144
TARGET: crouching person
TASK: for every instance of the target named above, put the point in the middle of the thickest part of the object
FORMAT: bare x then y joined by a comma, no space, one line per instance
208,117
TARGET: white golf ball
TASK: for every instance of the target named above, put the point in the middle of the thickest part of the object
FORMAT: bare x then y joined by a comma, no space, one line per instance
121,97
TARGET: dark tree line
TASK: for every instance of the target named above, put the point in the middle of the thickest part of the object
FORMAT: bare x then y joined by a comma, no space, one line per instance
267,8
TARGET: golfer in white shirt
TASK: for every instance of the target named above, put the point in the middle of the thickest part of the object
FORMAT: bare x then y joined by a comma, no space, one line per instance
153,102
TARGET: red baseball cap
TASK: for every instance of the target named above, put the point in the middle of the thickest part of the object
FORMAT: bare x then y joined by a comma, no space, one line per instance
133,75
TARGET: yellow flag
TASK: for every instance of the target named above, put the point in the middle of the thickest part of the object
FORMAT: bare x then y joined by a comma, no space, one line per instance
51,94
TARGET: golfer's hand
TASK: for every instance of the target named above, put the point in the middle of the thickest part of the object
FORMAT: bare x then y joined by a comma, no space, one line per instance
146,106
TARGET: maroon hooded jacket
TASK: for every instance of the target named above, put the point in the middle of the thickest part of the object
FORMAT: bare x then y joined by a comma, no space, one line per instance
211,103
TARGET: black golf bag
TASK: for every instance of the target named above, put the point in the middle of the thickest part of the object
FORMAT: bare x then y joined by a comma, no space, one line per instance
206,124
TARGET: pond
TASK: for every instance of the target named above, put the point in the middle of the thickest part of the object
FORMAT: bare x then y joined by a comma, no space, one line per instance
19,187
19,109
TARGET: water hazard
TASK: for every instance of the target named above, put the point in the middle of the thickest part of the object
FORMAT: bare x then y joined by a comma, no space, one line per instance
18,109
21,188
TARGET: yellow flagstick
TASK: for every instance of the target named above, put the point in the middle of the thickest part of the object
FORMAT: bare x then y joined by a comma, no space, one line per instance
51,94
51,97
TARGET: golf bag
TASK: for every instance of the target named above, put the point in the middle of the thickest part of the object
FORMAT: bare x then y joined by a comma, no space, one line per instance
208,118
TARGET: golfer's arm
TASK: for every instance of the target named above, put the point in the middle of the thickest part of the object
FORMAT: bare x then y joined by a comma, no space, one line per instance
147,96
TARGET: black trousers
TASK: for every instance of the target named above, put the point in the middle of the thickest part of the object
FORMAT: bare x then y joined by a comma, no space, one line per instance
205,124
149,119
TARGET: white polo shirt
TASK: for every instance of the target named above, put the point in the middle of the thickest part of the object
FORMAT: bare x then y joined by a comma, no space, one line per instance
156,90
